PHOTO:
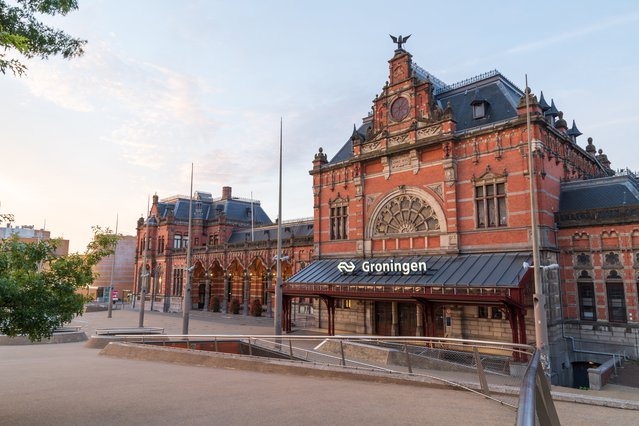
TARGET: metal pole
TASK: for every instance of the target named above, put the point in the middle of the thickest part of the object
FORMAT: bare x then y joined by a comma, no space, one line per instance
539,300
186,303
115,251
278,280
145,274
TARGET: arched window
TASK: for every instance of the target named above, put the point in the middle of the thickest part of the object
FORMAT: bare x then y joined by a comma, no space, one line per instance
406,213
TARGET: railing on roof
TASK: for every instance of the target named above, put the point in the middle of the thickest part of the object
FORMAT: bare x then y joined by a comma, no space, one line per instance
209,200
423,74
626,172
474,79
299,220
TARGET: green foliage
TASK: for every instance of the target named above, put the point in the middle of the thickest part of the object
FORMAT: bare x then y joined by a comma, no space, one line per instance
38,287
235,306
22,32
215,304
256,308
4,217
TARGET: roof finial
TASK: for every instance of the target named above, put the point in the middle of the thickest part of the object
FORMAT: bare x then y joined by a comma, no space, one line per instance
400,40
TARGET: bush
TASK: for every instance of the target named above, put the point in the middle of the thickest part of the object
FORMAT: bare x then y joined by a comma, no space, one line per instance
256,308
235,306
215,304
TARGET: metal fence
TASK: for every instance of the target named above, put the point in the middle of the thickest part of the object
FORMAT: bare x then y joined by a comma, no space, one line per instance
494,370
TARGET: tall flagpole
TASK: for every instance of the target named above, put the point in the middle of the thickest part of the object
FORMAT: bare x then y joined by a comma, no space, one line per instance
278,280
145,273
539,300
115,251
186,303
252,219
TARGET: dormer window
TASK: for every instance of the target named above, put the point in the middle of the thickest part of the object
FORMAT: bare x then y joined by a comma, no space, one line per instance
479,109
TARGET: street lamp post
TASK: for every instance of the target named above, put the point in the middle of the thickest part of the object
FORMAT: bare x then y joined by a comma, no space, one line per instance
145,273
278,279
539,299
115,250
186,303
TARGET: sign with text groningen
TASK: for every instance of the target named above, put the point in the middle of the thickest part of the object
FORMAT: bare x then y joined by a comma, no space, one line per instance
371,267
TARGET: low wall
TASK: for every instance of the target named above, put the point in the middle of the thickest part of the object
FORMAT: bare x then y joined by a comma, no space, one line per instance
66,337
600,376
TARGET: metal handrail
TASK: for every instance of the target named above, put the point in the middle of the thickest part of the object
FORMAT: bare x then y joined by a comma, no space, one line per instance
535,400
301,354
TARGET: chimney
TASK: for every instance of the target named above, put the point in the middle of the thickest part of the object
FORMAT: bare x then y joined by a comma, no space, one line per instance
226,192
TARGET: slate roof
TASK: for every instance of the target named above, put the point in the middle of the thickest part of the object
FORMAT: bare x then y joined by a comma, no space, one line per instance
264,233
235,210
601,193
466,270
501,97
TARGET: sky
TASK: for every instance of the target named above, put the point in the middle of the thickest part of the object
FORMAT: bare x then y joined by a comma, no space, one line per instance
164,84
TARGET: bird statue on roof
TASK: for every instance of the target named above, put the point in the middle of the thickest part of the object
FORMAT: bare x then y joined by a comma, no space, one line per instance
399,40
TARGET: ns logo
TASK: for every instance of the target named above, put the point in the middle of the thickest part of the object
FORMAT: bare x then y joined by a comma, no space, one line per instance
346,267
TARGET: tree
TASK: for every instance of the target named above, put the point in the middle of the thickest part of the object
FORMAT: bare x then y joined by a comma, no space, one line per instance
38,288
22,32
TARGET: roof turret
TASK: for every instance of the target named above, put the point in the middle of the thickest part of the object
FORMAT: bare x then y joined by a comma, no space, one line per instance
552,111
542,103
574,132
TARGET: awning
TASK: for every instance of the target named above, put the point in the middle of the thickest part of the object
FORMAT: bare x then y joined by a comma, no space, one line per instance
493,270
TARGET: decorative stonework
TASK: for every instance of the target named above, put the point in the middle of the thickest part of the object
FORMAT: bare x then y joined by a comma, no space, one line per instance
437,189
398,140
371,146
611,259
405,214
401,161
429,131
450,173
582,259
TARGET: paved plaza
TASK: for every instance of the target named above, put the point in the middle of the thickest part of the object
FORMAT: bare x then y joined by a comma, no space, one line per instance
70,384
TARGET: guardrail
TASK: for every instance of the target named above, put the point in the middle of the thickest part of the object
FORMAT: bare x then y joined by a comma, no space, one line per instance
493,370
535,401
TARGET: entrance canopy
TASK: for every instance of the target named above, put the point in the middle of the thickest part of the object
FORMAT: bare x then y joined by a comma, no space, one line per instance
466,270
465,278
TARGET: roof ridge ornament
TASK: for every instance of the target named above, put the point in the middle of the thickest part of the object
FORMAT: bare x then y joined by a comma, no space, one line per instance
399,40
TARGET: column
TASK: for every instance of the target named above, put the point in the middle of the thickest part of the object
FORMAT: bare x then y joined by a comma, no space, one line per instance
246,293
395,320
225,300
420,320
207,290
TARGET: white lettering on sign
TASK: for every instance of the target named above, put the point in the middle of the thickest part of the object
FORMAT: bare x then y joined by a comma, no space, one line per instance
372,267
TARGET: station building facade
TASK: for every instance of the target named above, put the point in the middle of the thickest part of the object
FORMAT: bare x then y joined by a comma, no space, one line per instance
439,173
234,245
422,226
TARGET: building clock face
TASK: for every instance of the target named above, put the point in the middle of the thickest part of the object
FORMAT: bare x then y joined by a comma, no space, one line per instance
399,109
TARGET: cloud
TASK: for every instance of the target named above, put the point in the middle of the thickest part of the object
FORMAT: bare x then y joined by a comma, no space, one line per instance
150,108
556,39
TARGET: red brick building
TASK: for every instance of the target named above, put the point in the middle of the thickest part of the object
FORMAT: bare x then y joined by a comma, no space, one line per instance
439,174
234,243
422,225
